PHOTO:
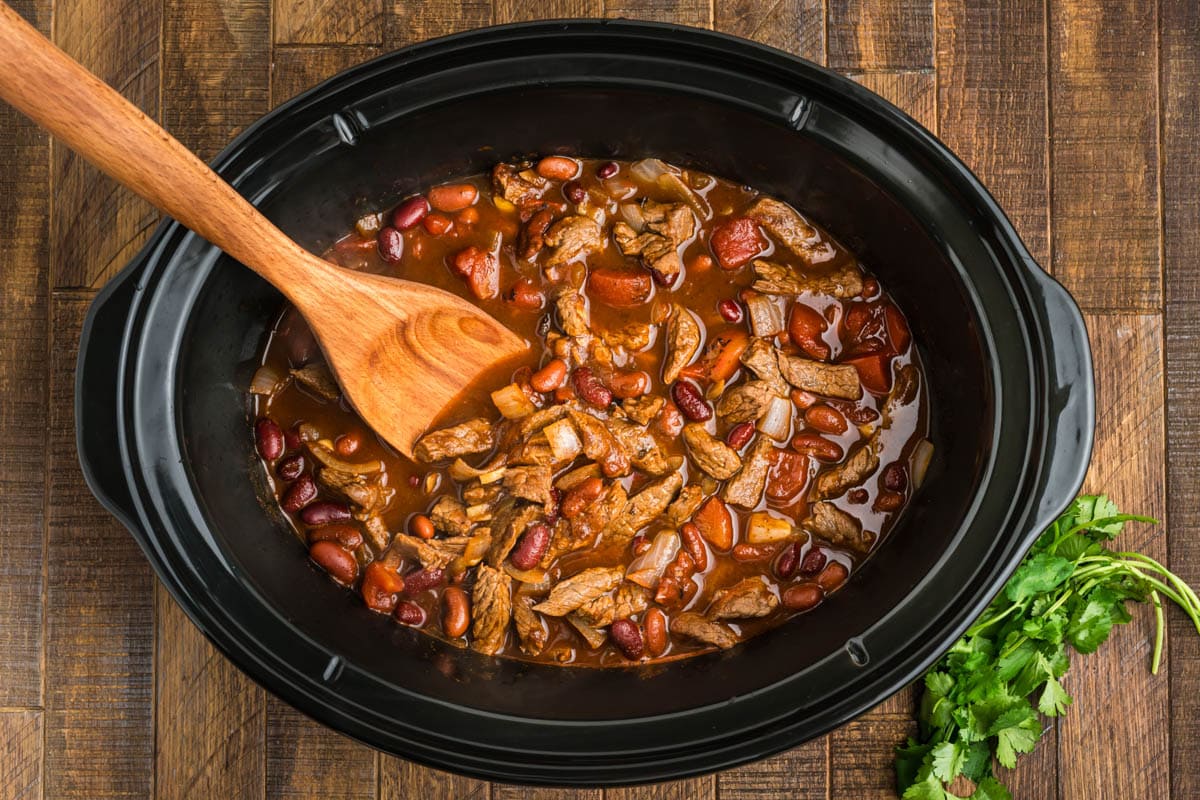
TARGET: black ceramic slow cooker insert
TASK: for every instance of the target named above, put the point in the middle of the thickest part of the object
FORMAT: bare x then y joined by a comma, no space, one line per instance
170,345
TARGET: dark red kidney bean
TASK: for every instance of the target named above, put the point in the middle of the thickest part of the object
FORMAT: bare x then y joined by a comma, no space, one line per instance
628,637
740,435
291,440
556,498
870,288
290,468
657,638
802,597
689,400
889,501
268,438
816,446
391,245
859,415
324,513
335,560
456,612
745,552
788,562
813,562
410,212
419,580
409,613
857,496
639,544
345,535
607,170
825,419
895,479
531,546
299,494
833,576
694,543
589,386
575,192
729,310
581,496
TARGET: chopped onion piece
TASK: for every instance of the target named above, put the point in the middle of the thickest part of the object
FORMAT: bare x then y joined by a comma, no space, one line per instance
564,442
569,480
513,402
479,513
492,475
632,214
714,391
777,422
674,185
765,529
648,169
266,380
922,455
502,204
432,481
646,569
462,471
766,318
477,547
533,576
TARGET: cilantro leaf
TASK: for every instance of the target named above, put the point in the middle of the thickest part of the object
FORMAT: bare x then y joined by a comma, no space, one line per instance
990,789
1042,573
948,760
1054,699
1017,731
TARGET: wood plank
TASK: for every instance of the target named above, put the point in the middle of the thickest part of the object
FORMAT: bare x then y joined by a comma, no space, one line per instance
797,26
505,791
801,773
99,647
96,226
525,10
992,104
861,755
408,22
1104,154
401,780
329,21
1113,741
20,755
702,788
24,205
880,34
1180,93
914,92
296,69
307,760
698,13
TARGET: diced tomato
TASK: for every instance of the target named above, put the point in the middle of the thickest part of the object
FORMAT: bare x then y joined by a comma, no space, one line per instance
380,587
736,241
875,371
526,294
898,334
787,477
620,288
480,269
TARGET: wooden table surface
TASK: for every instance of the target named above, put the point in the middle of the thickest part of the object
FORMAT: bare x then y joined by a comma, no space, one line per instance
1083,120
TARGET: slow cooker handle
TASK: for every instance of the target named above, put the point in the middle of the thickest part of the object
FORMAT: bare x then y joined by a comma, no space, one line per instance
1071,389
97,395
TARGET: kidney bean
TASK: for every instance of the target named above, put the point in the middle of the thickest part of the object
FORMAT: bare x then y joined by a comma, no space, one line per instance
409,613
740,435
421,527
607,170
802,399
787,476
347,444
628,637
414,481
690,401
299,494
531,546
552,512
436,224
456,612
419,580
290,468
788,562
345,535
468,216
889,501
291,440
639,544
589,386
480,269
805,326
857,496
746,552
549,377
581,497
379,587
715,523
825,419
391,245
410,212
729,310
619,287
813,562
453,197
668,592
669,421
802,597
629,384
859,415
816,446
324,513
694,542
735,242
833,576
655,623
870,288
525,294
895,478
575,192
558,168
335,560
268,438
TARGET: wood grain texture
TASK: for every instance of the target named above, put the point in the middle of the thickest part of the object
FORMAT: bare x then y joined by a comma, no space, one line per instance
400,780
306,760
796,26
698,13
99,649
24,205
21,755
1115,735
329,21
1180,93
880,34
525,10
505,791
801,773
992,104
861,754
703,788
1104,154
96,226
914,92
297,69
409,22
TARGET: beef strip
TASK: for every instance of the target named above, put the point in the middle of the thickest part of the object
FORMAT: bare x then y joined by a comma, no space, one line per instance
746,488
434,553
531,239
472,436
904,391
449,516
643,508
573,315
598,612
318,380
851,472
377,532
572,237
633,337
519,187
531,630
639,444
368,495
772,278
479,494
747,599
697,627
571,593
535,451
792,230
599,513
683,340
711,455
530,483
685,505
600,445
630,599
643,409
491,609
508,523
831,380
592,635
478,544
838,528
761,358
657,252
746,402
539,420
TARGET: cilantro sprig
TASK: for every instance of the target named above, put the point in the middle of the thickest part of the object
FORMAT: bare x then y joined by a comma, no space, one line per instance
982,699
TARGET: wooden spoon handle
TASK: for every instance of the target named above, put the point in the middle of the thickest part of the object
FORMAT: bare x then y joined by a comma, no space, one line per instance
98,123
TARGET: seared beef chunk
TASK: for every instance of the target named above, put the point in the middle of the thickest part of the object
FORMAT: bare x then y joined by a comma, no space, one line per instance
746,488
643,409
747,599
518,186
711,455
450,516
792,230
831,380
491,609
644,507
838,528
850,473
576,590
844,281
704,630
683,340
319,380
745,403
761,358
572,237
531,630
473,436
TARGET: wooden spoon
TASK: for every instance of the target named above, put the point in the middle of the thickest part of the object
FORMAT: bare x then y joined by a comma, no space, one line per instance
400,350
